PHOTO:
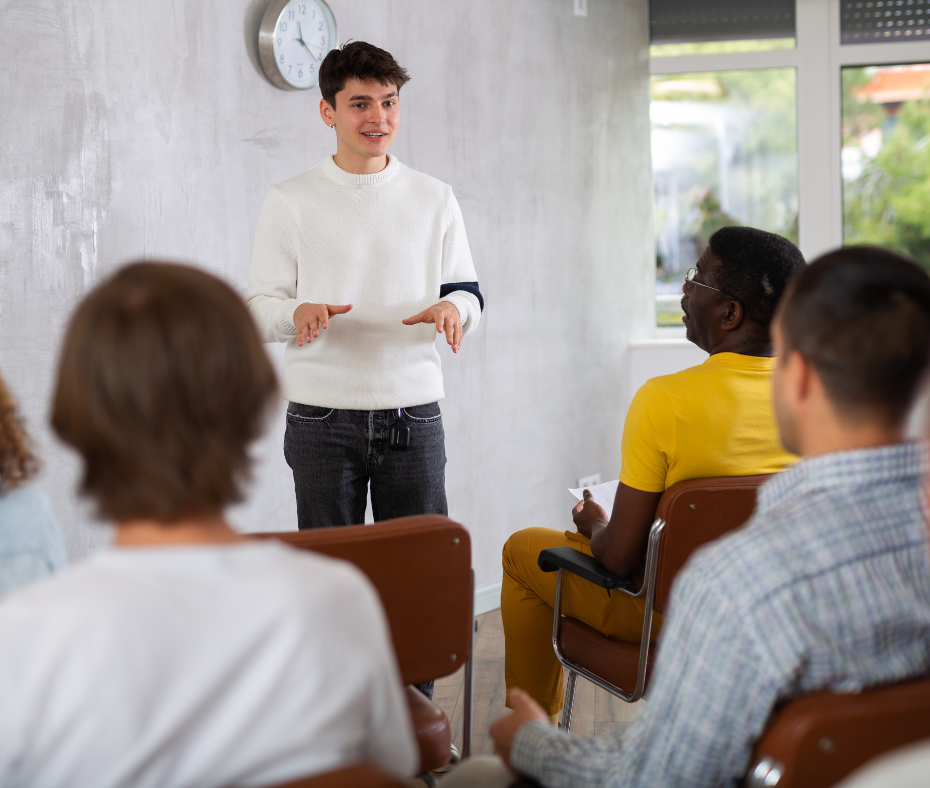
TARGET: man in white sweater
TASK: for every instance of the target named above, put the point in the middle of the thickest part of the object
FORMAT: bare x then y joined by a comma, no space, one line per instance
352,262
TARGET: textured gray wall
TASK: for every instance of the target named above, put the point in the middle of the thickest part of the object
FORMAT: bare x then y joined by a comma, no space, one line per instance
146,130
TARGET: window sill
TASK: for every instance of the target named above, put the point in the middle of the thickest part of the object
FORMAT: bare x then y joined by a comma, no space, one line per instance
661,342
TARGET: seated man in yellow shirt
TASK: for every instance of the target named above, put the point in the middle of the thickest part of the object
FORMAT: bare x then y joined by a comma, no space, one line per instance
712,420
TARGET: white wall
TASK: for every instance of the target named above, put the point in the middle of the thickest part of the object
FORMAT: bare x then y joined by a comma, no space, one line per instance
146,129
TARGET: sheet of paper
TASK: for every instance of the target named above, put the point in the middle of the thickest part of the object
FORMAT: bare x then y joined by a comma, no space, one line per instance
604,494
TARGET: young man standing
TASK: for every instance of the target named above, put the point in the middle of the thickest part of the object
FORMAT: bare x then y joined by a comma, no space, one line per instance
352,261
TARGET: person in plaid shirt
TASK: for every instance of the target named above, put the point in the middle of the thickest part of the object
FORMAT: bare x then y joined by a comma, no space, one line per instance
828,584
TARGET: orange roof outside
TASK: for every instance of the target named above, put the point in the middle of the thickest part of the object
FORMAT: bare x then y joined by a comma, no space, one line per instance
896,83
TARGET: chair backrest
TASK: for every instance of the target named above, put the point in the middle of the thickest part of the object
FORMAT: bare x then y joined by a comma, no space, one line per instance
421,568
818,739
362,776
696,512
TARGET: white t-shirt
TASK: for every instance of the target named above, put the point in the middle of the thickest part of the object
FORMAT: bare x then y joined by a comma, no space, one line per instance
212,665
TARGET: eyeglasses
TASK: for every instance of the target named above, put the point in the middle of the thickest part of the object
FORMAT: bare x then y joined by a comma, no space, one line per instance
689,278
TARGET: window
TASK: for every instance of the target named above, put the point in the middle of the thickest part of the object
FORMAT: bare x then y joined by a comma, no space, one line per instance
787,116
724,151
886,157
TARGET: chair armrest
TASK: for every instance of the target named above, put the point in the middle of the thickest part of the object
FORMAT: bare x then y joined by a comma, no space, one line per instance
581,564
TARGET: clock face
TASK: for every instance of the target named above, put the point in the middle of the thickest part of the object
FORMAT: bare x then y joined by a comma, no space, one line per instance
303,32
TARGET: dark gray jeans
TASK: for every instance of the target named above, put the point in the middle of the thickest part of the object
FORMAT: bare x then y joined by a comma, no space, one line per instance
335,453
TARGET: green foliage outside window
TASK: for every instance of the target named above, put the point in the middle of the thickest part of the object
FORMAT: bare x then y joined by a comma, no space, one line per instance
888,202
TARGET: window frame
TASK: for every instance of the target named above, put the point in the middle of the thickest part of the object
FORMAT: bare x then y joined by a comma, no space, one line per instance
818,59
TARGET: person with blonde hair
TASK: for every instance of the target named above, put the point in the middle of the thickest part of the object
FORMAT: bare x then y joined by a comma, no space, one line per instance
32,545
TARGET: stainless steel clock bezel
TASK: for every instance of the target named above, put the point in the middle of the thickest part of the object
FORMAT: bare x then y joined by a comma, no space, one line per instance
266,42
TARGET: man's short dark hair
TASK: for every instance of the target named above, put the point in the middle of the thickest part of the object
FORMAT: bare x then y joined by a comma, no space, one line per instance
861,316
162,385
361,61
755,268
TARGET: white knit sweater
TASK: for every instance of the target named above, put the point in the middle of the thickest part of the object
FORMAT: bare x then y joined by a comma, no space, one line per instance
386,243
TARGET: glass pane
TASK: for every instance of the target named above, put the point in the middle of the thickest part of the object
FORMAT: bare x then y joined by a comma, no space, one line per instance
884,21
886,158
695,27
724,151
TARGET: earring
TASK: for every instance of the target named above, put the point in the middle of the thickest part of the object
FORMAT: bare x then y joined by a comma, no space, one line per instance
333,126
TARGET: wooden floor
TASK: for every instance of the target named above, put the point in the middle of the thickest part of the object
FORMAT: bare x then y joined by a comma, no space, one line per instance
596,712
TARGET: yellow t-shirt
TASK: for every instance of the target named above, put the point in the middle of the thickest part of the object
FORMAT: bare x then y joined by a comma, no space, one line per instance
712,420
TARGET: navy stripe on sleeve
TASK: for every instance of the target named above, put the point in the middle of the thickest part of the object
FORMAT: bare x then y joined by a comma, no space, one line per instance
468,287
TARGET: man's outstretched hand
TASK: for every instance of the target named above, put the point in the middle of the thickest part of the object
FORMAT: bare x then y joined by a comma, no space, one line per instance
588,514
525,709
310,318
446,317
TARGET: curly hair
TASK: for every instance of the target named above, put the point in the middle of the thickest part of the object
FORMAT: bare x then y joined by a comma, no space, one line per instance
17,464
756,267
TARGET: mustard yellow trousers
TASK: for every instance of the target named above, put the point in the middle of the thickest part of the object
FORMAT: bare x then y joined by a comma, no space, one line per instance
527,601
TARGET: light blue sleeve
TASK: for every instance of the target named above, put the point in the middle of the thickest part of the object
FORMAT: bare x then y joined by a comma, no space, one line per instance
32,544
20,570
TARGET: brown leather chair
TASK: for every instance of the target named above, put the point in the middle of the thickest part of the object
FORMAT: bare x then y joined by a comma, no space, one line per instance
421,568
816,740
690,514
363,776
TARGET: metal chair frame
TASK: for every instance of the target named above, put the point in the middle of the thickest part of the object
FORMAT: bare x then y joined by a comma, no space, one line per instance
469,684
647,590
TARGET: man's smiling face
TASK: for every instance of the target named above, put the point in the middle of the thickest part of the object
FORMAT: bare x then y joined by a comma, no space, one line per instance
367,115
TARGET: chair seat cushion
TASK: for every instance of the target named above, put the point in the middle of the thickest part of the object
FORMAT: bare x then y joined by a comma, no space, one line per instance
615,661
432,729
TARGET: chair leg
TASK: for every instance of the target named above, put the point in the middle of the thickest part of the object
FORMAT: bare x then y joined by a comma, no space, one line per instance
469,696
565,723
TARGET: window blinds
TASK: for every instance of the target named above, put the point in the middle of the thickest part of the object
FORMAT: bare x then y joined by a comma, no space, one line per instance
681,21
884,20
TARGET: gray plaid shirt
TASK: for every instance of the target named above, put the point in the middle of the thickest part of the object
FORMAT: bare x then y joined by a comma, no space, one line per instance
827,586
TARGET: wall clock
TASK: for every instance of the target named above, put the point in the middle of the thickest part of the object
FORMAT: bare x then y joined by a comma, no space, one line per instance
293,39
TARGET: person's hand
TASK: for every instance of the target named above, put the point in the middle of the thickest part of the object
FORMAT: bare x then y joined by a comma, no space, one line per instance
525,709
310,318
446,317
587,514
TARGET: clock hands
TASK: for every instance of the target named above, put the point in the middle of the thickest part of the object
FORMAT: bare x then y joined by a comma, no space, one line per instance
300,40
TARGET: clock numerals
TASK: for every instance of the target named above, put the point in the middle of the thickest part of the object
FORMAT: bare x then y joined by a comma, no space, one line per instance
296,48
